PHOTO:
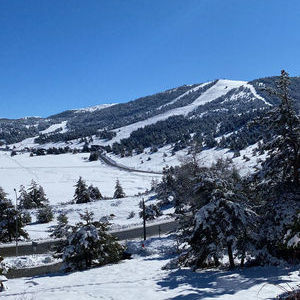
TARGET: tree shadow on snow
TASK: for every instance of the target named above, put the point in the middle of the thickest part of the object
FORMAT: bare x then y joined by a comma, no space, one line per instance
213,283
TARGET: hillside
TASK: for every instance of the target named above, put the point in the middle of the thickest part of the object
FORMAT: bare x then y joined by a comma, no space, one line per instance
214,114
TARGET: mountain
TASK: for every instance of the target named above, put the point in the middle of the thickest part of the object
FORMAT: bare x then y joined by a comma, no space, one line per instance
215,113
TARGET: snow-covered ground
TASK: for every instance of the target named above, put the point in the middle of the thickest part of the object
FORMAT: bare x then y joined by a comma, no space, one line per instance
116,211
143,278
29,261
59,173
163,157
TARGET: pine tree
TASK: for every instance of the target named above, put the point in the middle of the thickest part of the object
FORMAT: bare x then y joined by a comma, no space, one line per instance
119,193
8,216
283,161
62,228
277,182
35,197
94,193
90,244
61,231
152,211
45,214
81,194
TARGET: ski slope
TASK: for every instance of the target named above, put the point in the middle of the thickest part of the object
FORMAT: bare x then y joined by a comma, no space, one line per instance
220,88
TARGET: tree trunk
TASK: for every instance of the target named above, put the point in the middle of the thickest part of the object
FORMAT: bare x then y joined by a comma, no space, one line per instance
230,255
243,258
217,263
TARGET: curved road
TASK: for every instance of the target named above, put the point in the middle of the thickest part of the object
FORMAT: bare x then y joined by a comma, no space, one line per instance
112,163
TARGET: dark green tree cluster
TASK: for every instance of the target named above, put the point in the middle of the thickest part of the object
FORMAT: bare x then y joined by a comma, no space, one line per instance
254,219
33,197
11,223
84,193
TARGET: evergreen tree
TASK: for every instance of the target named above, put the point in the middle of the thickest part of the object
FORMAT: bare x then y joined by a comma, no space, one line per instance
8,217
90,244
283,161
119,193
277,182
152,211
62,228
81,194
45,214
94,193
61,231
35,197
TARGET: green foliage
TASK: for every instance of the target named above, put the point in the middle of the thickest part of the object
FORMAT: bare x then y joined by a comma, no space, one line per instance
119,193
34,197
45,214
8,217
90,244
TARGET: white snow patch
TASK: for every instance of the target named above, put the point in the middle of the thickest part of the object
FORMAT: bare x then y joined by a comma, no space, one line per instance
93,108
52,128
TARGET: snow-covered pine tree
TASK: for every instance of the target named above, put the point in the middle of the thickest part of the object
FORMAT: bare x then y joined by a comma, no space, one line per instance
283,160
152,211
165,188
45,214
277,182
62,228
222,219
94,193
8,215
81,194
119,193
90,244
61,231
35,197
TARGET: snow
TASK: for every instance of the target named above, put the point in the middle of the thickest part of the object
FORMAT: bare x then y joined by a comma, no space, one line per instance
253,91
29,261
219,89
163,158
248,92
59,173
143,278
194,89
93,108
62,125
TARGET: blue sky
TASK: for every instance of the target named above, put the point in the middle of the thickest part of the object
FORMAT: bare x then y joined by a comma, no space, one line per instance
63,54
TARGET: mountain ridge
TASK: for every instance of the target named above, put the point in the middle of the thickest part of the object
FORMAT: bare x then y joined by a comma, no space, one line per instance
203,109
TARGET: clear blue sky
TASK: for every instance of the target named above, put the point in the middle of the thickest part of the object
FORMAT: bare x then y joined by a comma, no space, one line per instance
62,54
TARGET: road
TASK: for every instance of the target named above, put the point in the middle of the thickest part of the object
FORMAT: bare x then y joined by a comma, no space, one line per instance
112,163
123,235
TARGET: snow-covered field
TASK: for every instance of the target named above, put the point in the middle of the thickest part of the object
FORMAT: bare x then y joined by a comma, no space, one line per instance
29,261
59,173
116,210
143,278
163,157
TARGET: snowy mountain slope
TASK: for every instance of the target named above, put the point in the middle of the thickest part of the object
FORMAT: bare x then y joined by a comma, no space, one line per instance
93,108
209,110
60,126
220,88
